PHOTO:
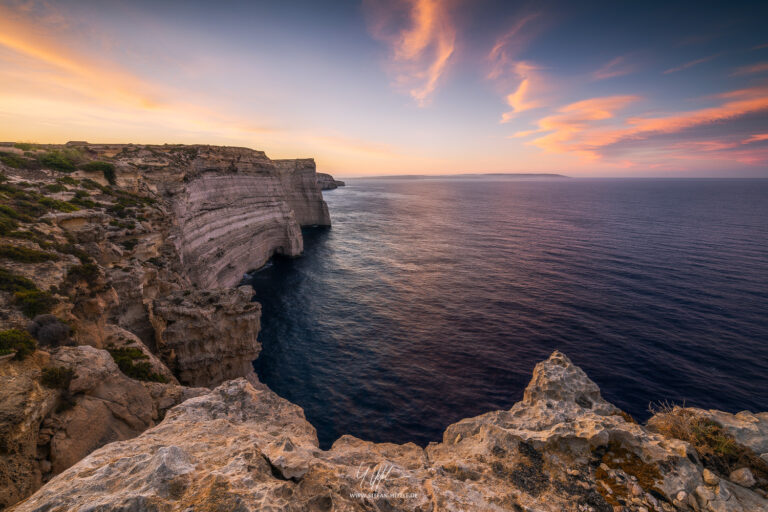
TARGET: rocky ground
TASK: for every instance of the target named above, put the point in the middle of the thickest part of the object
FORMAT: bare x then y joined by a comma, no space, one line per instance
119,311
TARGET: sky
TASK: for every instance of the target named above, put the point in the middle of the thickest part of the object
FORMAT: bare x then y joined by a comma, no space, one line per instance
371,87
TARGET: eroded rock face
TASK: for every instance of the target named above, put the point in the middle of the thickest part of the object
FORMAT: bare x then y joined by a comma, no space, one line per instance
241,447
207,337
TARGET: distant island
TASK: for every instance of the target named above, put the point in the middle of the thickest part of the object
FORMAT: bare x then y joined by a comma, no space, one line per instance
466,176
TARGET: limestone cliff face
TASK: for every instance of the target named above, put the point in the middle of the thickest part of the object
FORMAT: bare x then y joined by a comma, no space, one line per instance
142,247
207,337
562,448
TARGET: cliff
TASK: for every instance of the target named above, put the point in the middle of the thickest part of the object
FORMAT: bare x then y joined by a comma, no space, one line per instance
562,448
327,182
119,263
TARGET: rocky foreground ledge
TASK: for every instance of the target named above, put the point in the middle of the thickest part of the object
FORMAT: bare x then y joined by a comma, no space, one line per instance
240,447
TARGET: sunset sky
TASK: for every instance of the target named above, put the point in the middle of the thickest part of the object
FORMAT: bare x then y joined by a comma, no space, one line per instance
394,87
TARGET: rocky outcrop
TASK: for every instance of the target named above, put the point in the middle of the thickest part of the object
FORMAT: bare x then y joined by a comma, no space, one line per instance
241,447
327,182
207,337
44,430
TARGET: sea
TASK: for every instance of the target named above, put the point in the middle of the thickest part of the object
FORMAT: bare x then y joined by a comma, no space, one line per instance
431,300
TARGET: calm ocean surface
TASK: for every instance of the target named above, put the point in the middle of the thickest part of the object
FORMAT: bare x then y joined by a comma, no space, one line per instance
431,300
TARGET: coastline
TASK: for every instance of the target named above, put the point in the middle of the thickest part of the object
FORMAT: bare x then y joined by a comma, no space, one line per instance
168,243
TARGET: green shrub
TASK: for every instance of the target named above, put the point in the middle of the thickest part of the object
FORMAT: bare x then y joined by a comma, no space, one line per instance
55,187
61,160
55,204
68,180
20,341
87,272
34,302
56,377
10,282
26,255
8,211
12,160
83,203
83,256
131,362
25,146
107,169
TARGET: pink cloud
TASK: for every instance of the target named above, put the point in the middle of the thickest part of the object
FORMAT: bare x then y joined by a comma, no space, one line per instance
420,50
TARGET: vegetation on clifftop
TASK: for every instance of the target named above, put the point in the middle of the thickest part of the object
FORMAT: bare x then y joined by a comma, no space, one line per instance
132,362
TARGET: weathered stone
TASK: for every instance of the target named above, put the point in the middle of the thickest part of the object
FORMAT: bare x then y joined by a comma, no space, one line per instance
207,337
743,477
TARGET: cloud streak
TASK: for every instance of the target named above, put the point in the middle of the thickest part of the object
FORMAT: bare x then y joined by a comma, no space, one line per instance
615,68
691,64
420,49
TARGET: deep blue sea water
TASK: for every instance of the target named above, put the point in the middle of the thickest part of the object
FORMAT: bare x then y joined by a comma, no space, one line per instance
431,300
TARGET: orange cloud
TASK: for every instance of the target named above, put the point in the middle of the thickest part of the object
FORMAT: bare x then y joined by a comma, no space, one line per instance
520,100
580,128
420,52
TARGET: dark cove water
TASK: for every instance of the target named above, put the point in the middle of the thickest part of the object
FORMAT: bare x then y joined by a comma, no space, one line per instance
431,300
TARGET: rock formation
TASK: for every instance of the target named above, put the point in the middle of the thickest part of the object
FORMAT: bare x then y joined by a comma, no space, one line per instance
207,337
327,182
132,253
562,448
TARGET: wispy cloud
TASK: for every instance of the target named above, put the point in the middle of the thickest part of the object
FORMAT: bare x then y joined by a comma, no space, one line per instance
692,63
752,69
580,128
420,49
619,66
509,71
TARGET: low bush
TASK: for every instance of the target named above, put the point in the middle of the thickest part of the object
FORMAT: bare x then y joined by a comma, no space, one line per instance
56,377
106,168
34,302
25,254
49,331
132,362
20,341
10,282
717,449
63,161
55,204
25,146
68,180
55,187
87,272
